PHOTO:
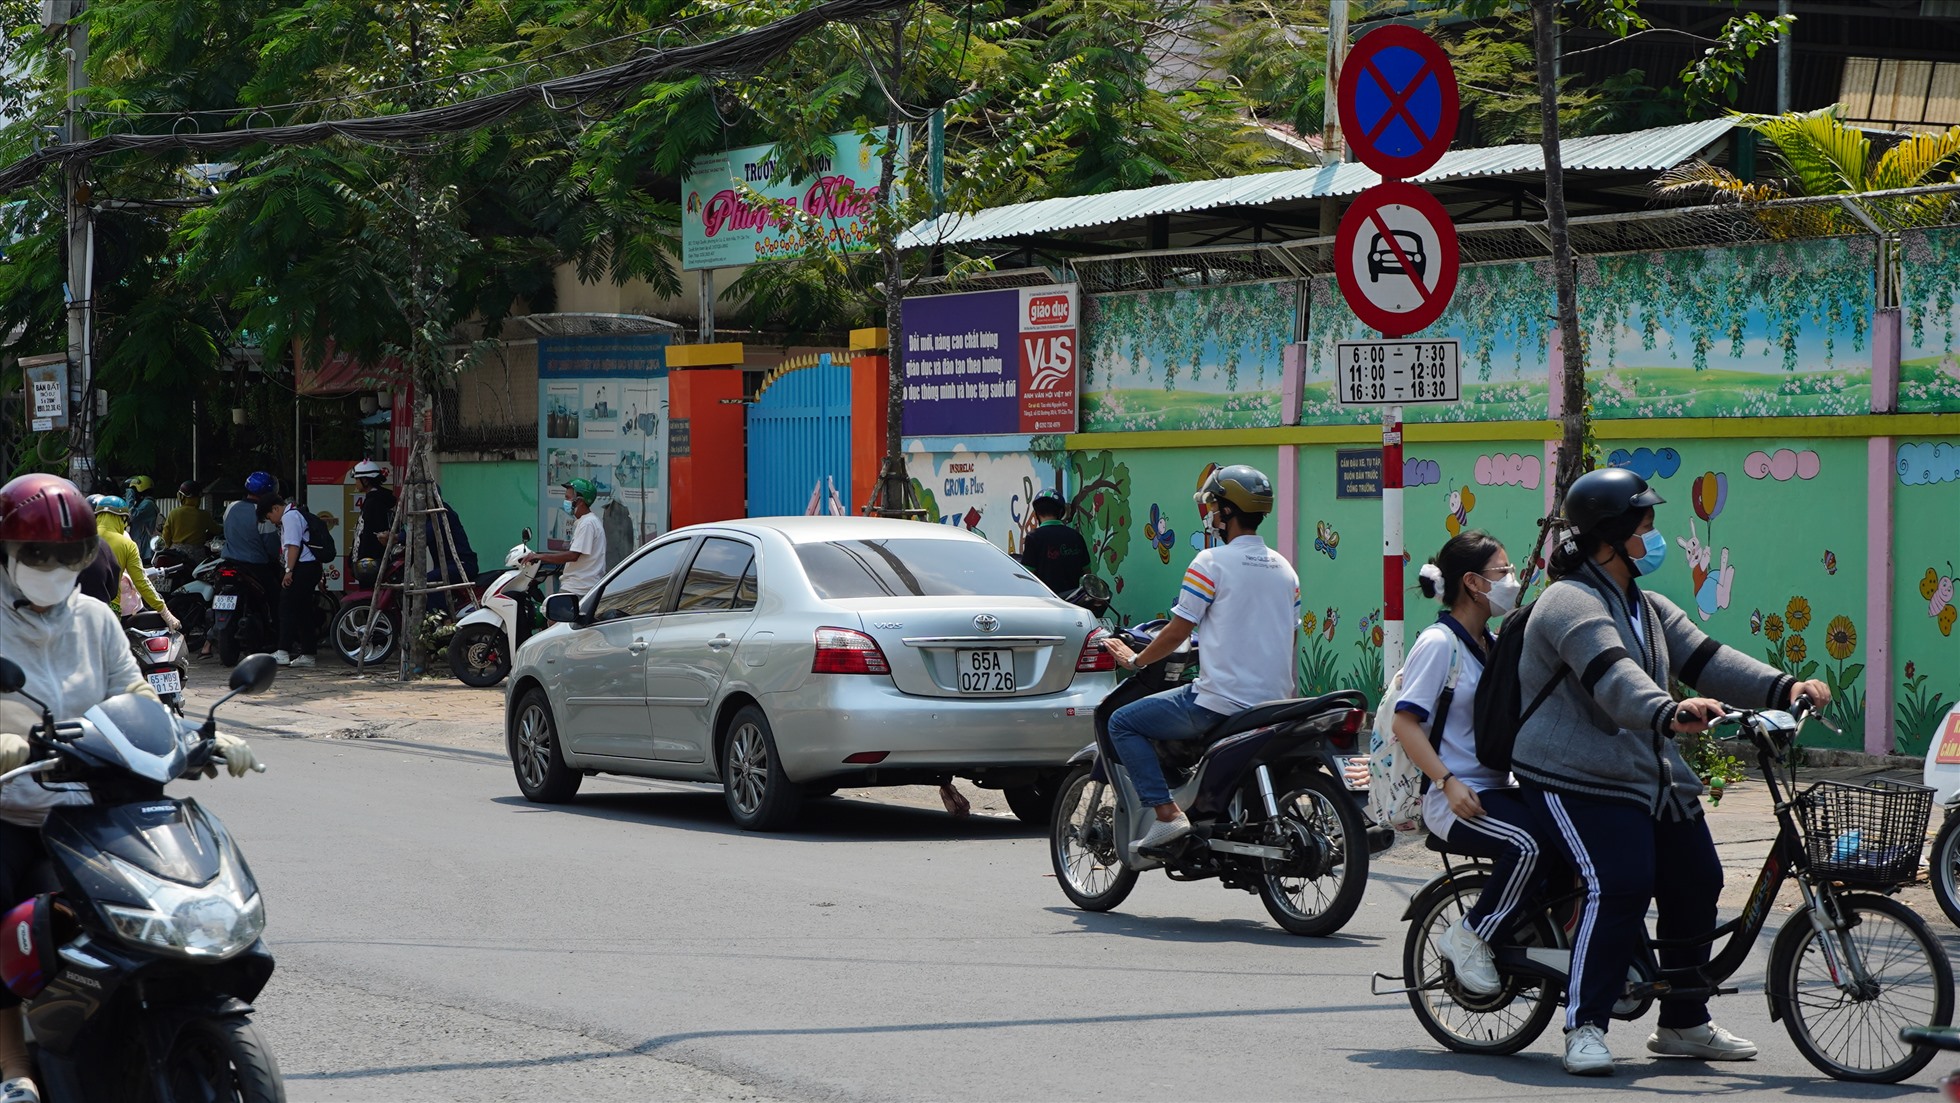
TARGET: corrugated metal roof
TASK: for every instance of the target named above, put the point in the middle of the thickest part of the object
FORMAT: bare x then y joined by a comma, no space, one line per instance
1656,149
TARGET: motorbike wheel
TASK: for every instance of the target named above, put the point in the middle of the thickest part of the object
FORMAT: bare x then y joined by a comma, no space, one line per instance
226,643
479,655
1910,983
1317,894
1944,869
224,1058
346,634
1503,1022
1033,804
542,775
1083,845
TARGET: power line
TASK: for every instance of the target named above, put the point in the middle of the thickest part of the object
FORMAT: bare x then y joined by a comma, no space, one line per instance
735,54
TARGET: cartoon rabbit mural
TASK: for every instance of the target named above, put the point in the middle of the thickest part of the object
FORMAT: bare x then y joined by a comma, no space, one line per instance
1711,587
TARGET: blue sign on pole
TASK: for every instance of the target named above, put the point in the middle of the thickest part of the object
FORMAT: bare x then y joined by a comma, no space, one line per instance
1398,101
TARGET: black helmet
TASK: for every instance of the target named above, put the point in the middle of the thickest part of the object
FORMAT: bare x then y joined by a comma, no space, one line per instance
1608,503
1244,488
188,489
1049,502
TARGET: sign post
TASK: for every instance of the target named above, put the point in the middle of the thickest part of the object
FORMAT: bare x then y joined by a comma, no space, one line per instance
1396,259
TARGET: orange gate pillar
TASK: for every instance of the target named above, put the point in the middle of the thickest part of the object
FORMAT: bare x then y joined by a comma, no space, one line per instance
870,378
707,449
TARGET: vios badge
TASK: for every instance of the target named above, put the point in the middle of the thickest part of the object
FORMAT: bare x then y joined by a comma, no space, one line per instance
987,622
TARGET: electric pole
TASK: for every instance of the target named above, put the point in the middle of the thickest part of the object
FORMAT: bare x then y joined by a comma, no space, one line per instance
66,16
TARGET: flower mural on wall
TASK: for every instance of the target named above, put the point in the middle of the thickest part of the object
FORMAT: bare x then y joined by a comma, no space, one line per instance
1187,358
1929,291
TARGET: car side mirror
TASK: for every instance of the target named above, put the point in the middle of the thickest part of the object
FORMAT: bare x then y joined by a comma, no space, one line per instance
562,608
254,674
12,677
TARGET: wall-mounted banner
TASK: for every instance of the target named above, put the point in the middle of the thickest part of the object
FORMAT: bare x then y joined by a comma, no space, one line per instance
722,226
991,362
602,415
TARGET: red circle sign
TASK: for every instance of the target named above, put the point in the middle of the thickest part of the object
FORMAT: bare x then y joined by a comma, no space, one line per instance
1397,101
1395,258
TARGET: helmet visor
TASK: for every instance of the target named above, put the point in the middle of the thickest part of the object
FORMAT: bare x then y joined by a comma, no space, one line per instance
46,555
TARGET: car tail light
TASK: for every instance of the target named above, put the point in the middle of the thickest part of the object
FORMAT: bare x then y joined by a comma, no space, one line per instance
1347,728
157,644
1094,659
842,651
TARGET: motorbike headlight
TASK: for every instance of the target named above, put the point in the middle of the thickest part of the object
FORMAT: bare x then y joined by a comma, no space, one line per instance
206,921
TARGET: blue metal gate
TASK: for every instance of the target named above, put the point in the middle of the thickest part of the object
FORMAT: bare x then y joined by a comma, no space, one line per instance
800,437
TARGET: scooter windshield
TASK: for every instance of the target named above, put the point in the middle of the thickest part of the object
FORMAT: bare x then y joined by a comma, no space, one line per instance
137,732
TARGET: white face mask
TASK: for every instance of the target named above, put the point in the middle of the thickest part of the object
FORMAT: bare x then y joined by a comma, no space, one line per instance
1503,595
44,587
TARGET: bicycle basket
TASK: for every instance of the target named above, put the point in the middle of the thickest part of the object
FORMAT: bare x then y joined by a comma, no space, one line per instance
1865,833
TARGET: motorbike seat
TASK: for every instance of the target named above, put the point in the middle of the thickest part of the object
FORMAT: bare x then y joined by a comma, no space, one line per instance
1279,712
148,620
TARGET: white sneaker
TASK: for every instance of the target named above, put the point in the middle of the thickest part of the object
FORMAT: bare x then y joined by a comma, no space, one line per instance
1586,1053
1707,1041
282,658
1476,967
19,1090
302,660
1164,831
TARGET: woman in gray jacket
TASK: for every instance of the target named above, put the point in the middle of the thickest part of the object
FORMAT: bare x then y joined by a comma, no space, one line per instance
1598,756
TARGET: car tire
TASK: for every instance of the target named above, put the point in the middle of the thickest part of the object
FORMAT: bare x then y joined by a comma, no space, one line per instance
760,796
1034,804
542,775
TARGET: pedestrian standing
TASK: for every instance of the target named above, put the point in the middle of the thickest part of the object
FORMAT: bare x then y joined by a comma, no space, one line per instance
300,580
144,516
251,544
377,509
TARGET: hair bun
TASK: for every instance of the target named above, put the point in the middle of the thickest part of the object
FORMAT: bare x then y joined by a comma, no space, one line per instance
1430,579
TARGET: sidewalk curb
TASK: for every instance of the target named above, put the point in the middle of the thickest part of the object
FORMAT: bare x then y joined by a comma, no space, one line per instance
1745,751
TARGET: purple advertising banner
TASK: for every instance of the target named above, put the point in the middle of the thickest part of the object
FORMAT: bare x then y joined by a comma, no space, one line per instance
991,362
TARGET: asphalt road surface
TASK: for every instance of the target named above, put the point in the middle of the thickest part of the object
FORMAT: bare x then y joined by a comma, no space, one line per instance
440,939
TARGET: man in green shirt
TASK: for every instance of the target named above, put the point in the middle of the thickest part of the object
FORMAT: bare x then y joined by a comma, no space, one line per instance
1054,552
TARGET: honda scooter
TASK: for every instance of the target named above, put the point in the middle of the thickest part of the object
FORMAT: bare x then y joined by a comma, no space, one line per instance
1270,812
161,654
489,632
242,614
139,971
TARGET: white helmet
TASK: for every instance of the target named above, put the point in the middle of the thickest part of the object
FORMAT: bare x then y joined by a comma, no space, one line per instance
368,469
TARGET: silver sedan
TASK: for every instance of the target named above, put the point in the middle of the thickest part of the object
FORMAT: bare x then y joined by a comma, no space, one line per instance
785,657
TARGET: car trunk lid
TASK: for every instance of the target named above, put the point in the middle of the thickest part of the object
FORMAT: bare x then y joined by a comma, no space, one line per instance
951,647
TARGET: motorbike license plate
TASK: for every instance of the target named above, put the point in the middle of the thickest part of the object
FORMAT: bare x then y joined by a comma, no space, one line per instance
985,671
1354,771
167,681
225,601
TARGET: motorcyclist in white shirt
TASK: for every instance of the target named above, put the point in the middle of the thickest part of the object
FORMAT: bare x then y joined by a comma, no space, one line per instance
75,655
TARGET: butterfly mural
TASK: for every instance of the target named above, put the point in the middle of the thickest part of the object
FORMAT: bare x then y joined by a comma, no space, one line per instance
1462,501
1756,622
1830,561
1205,536
1157,530
1937,589
1326,539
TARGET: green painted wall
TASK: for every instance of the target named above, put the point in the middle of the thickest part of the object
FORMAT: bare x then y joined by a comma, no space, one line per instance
496,502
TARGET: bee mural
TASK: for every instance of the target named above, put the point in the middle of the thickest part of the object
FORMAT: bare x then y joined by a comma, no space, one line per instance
1937,589
1326,539
1462,501
1158,531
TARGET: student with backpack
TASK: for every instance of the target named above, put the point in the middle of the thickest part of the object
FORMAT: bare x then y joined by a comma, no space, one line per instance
1596,754
1472,807
302,561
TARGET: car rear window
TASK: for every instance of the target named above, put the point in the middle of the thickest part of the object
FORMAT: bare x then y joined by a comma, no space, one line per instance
914,568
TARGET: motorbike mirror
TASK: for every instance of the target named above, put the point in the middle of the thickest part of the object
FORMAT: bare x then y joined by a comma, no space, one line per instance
526,538
254,674
12,677
562,608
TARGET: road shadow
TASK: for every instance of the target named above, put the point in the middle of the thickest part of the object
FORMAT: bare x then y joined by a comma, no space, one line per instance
826,820
1178,928
1650,1076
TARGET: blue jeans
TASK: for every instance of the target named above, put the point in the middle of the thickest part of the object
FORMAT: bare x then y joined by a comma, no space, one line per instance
1168,716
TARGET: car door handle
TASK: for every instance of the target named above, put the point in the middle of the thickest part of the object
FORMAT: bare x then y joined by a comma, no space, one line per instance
637,646
720,642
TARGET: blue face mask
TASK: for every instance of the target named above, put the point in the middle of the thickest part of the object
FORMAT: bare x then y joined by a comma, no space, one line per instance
1656,553
567,506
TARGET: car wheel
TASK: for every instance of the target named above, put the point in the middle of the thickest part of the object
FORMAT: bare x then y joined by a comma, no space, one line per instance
760,796
542,775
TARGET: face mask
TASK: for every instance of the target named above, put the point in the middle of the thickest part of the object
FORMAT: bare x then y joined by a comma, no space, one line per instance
1656,545
44,587
567,506
1503,595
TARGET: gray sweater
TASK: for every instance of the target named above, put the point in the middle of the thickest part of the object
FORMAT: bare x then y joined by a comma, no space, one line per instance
1605,731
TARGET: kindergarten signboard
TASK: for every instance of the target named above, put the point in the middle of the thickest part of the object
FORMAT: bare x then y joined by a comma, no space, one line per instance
723,224
991,362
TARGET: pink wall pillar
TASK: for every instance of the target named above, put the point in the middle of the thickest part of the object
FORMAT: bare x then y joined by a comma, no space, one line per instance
1555,389
1879,579
1286,483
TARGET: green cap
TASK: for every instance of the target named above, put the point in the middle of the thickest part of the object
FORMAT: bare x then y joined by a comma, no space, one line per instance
583,488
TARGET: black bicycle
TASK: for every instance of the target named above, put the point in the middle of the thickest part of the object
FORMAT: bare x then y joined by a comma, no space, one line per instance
1850,968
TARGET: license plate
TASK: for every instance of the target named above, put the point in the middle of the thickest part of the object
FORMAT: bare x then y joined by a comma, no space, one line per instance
985,671
167,681
1354,771
225,601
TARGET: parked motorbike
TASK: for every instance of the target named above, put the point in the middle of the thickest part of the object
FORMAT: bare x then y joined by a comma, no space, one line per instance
1943,864
242,614
364,629
139,971
489,632
1268,809
162,655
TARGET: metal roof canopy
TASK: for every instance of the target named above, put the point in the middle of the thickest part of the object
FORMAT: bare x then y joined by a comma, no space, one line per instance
1604,173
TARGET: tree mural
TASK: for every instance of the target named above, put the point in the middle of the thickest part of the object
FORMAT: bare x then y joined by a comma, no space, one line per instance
1100,509
1175,359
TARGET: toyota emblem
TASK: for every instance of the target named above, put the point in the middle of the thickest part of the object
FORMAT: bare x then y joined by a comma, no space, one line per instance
987,622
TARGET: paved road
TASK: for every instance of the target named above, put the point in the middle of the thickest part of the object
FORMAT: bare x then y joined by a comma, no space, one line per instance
441,939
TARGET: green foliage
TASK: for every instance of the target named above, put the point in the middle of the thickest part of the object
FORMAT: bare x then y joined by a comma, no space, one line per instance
1100,510
1917,715
1716,767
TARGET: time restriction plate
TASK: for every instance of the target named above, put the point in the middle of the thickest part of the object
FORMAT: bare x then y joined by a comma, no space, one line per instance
1397,373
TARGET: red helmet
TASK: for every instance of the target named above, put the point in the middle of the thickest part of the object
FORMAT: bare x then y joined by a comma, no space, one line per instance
44,509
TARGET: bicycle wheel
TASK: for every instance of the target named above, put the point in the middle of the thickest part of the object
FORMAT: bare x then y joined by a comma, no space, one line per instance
1502,1023
1855,1035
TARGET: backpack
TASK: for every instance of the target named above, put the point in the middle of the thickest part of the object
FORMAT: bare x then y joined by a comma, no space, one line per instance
1499,695
319,538
1395,784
